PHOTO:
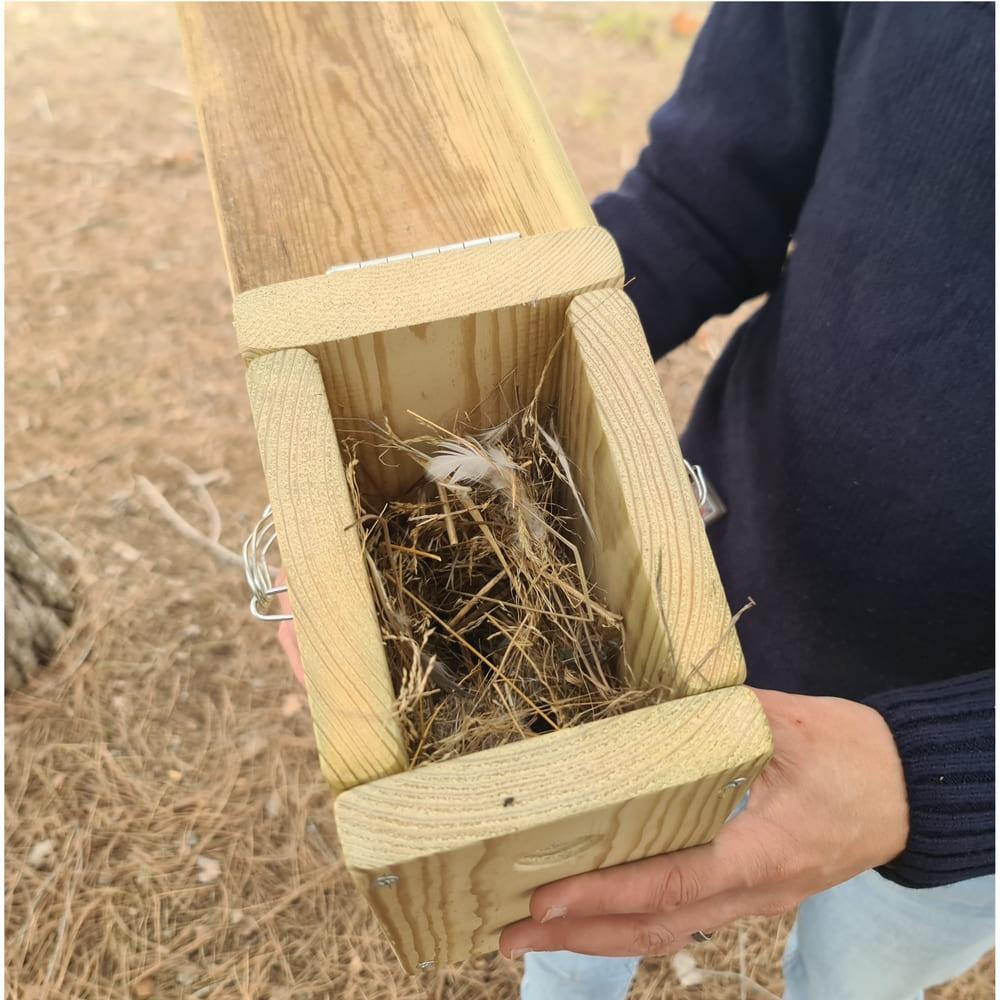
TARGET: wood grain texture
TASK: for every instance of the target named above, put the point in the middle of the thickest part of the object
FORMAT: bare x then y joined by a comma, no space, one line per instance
469,839
412,293
345,131
651,555
347,677
434,336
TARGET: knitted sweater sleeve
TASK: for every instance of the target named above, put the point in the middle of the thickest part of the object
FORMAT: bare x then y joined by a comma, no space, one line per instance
704,219
945,736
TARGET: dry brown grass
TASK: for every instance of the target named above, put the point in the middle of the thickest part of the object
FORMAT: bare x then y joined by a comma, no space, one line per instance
493,630
171,715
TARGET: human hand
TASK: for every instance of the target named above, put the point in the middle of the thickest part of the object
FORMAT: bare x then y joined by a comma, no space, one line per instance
286,631
830,804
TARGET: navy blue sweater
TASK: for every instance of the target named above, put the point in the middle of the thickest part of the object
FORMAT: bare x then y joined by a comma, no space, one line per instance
848,426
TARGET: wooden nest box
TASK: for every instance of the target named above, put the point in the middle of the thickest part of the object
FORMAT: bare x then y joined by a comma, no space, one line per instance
449,853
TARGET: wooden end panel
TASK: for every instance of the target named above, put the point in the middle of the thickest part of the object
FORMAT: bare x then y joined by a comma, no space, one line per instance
464,333
469,839
335,308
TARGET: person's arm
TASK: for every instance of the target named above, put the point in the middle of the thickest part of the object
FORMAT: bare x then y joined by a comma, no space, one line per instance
704,220
945,736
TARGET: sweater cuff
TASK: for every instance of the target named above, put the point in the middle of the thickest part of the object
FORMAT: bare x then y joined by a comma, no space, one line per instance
945,736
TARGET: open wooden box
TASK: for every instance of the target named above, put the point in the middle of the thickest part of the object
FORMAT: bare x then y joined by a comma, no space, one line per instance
449,853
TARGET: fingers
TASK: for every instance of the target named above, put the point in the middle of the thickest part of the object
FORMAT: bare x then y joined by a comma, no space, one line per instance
286,631
660,884
286,636
615,936
638,934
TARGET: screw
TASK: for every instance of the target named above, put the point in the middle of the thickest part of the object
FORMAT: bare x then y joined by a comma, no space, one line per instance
425,965
386,881
730,785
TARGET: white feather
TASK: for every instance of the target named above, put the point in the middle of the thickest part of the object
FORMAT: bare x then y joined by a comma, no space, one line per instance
492,434
457,463
553,443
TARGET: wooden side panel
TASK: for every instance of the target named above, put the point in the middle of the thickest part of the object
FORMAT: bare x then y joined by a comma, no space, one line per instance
337,132
469,839
350,692
651,554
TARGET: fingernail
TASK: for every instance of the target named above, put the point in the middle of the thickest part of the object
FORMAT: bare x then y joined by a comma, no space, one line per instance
518,952
553,913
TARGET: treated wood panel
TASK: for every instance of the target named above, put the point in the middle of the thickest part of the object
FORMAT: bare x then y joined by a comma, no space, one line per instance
652,557
434,336
469,839
345,131
347,678
332,308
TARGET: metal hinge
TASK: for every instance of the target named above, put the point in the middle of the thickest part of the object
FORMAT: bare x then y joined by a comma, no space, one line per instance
257,570
483,241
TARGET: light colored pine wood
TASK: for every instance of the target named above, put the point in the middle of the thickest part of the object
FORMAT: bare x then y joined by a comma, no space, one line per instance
347,677
342,132
337,307
469,839
434,336
651,556
336,132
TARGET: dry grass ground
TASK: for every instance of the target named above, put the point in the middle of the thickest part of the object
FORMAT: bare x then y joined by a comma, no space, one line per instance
167,831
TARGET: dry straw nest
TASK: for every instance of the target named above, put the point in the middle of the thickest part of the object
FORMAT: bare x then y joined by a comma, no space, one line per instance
493,630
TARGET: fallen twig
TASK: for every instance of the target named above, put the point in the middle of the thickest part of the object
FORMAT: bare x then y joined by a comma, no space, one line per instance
192,534
197,483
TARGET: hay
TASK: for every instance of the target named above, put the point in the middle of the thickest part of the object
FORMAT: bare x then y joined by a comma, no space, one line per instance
493,631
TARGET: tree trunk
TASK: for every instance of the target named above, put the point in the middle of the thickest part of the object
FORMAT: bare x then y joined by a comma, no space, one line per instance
40,569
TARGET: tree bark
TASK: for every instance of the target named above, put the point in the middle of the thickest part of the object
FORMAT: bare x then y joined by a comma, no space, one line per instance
40,569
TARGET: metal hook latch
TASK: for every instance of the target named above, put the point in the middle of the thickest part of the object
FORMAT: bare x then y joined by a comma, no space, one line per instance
257,571
710,504
697,478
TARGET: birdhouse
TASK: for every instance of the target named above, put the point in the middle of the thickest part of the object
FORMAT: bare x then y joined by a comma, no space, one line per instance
448,853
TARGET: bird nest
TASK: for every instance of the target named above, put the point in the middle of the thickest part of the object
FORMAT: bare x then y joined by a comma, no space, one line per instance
493,631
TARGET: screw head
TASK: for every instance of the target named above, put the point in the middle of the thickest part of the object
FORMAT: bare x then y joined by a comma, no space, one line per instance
426,965
386,881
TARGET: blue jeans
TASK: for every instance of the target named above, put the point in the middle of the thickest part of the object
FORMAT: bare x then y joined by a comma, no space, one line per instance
868,939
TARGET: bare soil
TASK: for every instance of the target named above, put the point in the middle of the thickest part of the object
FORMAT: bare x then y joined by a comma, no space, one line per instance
168,833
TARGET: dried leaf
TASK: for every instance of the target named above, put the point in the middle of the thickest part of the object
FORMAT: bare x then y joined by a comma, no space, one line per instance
42,854
684,25
208,869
